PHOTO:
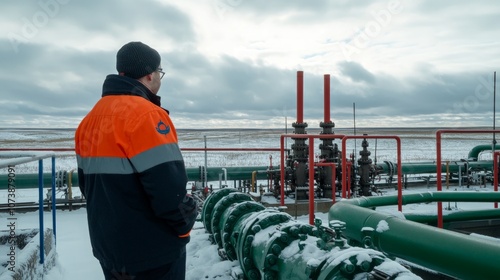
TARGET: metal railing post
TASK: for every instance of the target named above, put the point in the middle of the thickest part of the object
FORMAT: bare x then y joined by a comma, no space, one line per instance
40,209
54,197
438,161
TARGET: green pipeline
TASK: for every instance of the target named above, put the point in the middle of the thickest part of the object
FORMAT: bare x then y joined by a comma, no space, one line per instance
474,152
448,252
430,167
426,197
28,181
245,173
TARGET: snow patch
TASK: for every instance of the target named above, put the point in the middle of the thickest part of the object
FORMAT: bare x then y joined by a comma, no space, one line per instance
366,229
382,226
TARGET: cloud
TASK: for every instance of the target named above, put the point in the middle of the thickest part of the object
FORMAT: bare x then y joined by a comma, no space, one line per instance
233,63
356,72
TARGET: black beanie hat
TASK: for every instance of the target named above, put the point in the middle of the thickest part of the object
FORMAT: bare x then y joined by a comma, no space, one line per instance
137,60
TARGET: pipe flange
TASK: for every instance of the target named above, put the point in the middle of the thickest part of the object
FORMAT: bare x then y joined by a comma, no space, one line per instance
349,263
209,205
234,214
329,124
254,224
391,168
219,210
299,125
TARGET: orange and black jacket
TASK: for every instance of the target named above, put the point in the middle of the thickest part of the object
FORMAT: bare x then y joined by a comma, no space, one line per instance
132,173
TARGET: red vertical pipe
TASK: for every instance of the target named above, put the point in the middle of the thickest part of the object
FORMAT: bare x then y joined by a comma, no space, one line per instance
300,96
326,81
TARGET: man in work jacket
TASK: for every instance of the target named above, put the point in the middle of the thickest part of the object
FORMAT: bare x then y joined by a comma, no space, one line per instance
132,174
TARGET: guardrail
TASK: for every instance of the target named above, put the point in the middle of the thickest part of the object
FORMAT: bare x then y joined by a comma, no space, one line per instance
10,160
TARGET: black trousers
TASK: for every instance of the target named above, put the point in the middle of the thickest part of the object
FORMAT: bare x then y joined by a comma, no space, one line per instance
175,270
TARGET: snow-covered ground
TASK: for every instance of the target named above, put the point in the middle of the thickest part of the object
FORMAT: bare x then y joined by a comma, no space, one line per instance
75,260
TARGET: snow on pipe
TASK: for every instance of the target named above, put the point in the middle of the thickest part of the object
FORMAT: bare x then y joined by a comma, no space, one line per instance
269,244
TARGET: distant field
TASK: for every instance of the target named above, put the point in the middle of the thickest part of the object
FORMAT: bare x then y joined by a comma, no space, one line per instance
418,144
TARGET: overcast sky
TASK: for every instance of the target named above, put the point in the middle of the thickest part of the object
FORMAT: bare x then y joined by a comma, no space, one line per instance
233,63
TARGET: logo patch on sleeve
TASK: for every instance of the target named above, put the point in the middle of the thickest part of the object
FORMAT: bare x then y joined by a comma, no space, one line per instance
162,128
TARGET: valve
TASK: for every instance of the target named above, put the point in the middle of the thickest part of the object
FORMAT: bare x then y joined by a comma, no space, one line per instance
338,226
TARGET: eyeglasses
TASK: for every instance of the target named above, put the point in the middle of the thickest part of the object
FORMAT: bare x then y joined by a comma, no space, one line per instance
160,70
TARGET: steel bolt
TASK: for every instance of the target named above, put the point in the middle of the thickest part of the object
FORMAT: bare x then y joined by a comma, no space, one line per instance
347,267
365,266
276,249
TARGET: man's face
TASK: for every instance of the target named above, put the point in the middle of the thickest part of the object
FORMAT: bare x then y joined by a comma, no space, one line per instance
156,81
